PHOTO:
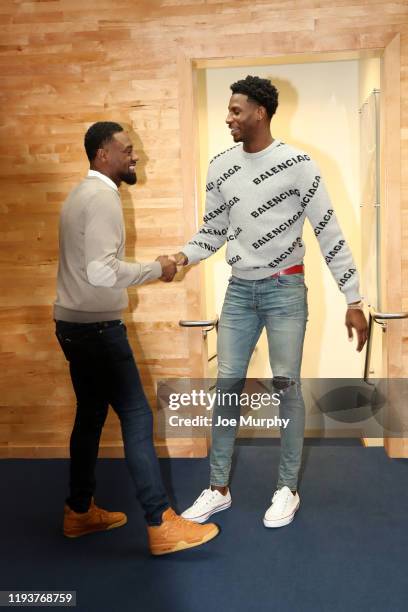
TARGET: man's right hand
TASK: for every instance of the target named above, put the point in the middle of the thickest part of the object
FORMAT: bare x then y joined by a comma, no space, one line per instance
180,258
169,268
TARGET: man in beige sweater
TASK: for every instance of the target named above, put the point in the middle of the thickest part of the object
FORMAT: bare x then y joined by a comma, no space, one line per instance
91,295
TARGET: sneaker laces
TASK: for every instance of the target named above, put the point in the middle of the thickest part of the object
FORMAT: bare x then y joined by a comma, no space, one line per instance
280,498
100,513
205,493
177,518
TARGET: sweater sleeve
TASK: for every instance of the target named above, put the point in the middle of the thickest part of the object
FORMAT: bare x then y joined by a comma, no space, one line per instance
333,246
212,234
104,237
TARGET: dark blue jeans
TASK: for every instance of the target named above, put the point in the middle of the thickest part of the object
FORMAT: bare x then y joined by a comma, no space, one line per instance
103,371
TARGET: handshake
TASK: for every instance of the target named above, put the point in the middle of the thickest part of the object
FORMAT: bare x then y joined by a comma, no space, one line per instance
169,265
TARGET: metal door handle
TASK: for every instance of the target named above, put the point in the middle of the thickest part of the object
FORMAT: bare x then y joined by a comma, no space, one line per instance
205,325
383,316
378,317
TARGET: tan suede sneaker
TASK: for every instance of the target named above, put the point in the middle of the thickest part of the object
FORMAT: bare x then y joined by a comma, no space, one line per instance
96,519
175,533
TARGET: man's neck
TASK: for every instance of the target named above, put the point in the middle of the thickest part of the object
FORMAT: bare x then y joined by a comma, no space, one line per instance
115,180
103,177
258,144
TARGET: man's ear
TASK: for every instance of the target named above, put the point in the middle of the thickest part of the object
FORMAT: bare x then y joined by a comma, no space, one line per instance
261,113
101,155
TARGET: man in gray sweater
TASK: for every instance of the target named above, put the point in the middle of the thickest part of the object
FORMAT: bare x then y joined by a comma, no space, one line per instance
258,196
91,295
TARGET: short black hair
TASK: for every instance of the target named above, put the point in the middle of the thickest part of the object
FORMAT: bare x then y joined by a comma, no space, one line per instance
99,134
258,90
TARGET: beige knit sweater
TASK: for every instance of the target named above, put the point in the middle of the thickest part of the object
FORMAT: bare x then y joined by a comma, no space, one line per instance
92,276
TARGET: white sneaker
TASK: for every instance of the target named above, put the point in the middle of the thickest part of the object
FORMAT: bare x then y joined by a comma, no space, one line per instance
283,509
207,504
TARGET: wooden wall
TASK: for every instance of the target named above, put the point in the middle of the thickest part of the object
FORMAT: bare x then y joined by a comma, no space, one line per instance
67,63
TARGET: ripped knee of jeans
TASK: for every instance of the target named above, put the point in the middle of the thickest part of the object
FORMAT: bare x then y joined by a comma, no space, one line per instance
282,383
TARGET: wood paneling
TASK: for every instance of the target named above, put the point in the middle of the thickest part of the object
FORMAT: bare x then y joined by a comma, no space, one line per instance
67,63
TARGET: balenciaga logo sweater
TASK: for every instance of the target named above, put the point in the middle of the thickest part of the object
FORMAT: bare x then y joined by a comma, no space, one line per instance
258,203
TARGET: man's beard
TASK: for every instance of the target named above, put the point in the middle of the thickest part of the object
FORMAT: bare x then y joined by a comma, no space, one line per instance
129,178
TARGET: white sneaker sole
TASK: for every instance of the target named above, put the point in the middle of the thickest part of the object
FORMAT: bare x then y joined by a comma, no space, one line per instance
286,520
201,518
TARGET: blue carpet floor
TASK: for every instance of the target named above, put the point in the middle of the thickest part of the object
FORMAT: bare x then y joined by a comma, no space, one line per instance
346,550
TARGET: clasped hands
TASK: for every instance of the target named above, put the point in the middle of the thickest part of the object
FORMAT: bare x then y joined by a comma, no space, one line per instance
169,264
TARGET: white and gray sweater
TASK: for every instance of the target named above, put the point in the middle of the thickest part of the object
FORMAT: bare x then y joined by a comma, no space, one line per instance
257,203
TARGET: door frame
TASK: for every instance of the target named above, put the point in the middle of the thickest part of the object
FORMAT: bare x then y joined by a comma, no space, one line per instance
267,51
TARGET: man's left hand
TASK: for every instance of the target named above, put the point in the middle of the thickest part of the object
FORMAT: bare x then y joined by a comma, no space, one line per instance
169,268
355,319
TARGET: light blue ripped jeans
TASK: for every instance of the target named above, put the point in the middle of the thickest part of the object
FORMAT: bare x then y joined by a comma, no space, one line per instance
280,305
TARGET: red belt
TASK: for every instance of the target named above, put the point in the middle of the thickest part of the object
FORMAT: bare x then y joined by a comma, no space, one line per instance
299,269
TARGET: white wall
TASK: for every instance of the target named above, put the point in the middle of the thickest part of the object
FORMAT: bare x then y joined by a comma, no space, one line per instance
318,112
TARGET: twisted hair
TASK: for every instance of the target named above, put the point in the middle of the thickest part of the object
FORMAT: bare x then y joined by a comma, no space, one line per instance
258,90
